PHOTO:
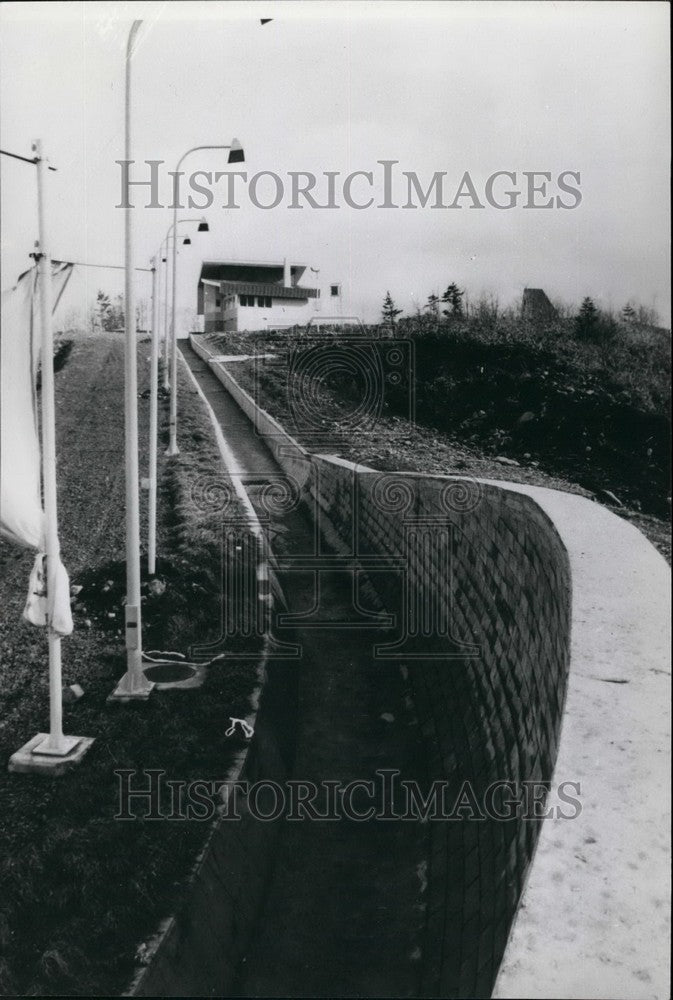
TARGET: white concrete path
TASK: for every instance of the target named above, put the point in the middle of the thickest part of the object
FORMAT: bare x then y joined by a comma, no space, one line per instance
594,917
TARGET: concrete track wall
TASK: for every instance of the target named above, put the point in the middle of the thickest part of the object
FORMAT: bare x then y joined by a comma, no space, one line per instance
197,951
493,564
487,649
292,458
486,581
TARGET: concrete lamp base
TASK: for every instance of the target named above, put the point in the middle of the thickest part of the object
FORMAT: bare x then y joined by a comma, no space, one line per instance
39,756
138,690
172,451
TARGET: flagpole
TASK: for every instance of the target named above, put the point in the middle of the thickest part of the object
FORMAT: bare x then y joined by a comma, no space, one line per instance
133,685
154,391
56,740
50,753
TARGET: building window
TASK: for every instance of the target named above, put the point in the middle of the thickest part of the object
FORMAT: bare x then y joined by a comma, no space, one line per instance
334,290
218,303
262,301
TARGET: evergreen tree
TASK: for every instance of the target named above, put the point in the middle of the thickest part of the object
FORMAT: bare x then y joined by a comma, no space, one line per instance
432,305
103,309
587,319
389,311
109,315
117,318
453,297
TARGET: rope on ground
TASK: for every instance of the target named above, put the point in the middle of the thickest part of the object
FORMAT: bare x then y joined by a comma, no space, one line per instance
160,657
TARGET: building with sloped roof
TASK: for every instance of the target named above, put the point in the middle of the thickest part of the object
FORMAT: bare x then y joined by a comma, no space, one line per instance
239,296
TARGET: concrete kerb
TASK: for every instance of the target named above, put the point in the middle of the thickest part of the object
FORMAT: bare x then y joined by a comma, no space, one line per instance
165,943
292,457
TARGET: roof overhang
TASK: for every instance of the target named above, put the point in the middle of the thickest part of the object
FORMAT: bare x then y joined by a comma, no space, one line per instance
267,289
271,271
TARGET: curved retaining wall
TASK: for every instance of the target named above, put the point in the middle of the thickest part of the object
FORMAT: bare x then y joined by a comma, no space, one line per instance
493,563
487,582
482,578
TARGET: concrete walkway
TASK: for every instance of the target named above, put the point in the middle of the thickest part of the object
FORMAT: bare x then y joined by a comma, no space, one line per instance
344,912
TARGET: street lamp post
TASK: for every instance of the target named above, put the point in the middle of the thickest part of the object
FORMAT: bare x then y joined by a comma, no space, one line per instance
203,227
235,156
151,482
167,356
152,478
166,362
163,295
133,685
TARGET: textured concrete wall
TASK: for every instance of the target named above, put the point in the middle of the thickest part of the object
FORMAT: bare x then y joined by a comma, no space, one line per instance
487,651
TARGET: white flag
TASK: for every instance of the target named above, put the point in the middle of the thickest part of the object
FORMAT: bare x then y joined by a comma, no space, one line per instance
21,514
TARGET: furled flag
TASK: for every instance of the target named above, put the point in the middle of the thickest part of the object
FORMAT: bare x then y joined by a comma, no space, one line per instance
21,513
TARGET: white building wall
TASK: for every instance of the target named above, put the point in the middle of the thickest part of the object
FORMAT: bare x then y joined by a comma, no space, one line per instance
282,313
226,312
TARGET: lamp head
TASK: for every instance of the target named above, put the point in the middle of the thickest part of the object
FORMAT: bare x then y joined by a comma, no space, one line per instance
186,242
235,152
203,227
163,260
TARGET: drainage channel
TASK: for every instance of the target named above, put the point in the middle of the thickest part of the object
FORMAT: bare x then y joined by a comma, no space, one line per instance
344,911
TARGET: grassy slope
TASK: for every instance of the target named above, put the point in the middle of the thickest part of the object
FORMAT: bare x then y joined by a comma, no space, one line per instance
470,447
80,890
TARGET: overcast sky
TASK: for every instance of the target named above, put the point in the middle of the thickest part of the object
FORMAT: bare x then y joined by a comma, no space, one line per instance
452,87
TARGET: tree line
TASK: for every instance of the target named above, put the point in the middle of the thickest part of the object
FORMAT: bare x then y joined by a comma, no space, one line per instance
108,314
590,322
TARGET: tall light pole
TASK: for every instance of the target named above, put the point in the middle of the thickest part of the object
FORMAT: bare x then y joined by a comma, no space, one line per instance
151,482
203,228
235,156
167,357
133,685
154,390
166,364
